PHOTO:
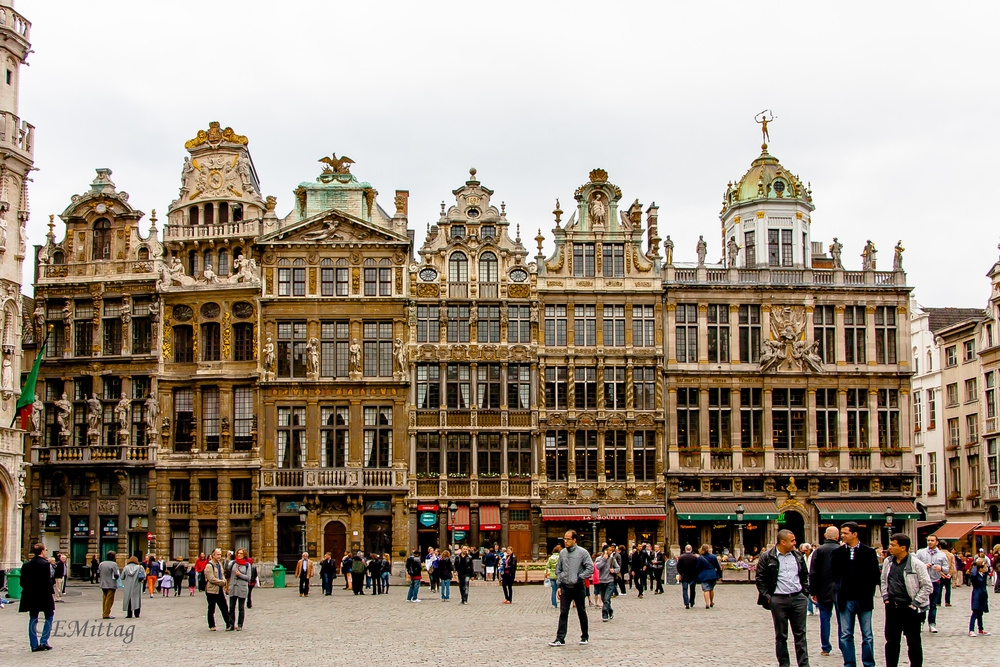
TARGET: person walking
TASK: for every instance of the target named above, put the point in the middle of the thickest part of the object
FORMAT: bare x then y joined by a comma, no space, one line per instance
59,576
358,574
640,566
215,589
823,586
414,567
807,551
623,569
37,597
239,589
856,574
374,573
109,575
94,566
490,564
199,568
978,579
709,573
304,572
153,573
687,575
605,569
327,573
345,568
465,569
782,587
192,581
180,574
550,573
906,589
133,577
946,579
937,566
253,583
656,563
574,567
444,571
507,576
386,572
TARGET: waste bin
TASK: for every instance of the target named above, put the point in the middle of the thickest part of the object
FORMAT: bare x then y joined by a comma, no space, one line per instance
14,584
278,573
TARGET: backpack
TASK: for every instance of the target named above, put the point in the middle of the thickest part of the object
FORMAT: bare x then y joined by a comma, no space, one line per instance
358,567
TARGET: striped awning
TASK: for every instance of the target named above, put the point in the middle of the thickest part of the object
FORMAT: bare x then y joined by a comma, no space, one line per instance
631,512
865,510
460,517
714,510
489,517
566,513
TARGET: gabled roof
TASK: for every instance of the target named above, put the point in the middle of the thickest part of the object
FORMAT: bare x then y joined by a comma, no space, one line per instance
942,318
298,227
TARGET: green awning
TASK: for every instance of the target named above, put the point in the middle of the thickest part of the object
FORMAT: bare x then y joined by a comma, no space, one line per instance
865,510
712,510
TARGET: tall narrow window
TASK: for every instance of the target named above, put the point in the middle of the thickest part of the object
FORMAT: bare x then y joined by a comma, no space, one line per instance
243,418
183,419
488,387
518,324
555,387
459,387
614,326
644,455
243,341
371,277
643,326
428,454
555,325
292,349
342,277
489,287
183,344
488,327
614,260
718,333
428,386
788,418
488,454
458,276
688,433
334,348
101,247
751,418
223,267
932,474
719,411
458,454
774,247
556,455
918,460
334,436
826,418
585,388
614,387
644,389
918,409
931,409
428,324
459,324
615,455
855,349
299,277
786,247
377,349
519,454
750,250
83,329
885,334
327,277
284,277
749,334
210,417
210,341
112,327
142,326
223,213
519,386
585,325
825,333
857,418
687,332
291,434
583,260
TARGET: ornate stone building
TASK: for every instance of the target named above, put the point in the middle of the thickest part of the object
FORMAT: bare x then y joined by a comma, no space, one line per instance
472,351
17,147
333,385
601,410
787,377
91,449
208,468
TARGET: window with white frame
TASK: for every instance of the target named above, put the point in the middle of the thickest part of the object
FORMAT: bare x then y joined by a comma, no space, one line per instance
584,324
291,435
334,435
614,388
614,325
378,437
686,319
643,326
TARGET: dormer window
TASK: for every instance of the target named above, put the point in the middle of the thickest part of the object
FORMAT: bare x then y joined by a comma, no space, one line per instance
237,212
193,215
101,248
223,213
472,213
779,188
458,231
488,232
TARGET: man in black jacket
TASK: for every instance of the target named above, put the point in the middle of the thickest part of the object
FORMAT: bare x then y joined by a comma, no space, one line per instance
782,587
465,569
656,563
622,557
687,571
823,587
37,597
856,573
639,564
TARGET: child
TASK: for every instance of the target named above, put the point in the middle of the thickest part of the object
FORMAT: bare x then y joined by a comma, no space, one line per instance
166,583
192,580
980,598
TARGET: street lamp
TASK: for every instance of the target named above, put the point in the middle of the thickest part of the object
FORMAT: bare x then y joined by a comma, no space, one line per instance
43,516
452,514
888,524
739,525
303,514
594,509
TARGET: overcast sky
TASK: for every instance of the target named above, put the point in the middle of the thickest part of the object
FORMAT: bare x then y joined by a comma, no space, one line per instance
888,109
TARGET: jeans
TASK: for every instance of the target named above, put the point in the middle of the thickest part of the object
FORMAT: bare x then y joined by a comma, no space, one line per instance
217,600
327,583
385,582
688,589
553,586
785,610
977,617
414,590
606,595
46,629
620,580
233,603
639,579
658,579
569,595
946,587
846,620
507,583
463,588
368,581
446,589
931,613
825,612
900,620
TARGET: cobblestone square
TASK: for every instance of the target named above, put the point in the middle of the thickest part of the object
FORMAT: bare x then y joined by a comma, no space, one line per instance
285,630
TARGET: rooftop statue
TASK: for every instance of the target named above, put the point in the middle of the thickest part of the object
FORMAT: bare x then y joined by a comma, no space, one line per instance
335,165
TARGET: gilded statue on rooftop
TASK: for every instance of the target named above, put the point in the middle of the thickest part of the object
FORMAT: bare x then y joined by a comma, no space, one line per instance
763,118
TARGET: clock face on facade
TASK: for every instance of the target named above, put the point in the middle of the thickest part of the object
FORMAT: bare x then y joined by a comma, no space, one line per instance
428,274
183,313
518,275
242,309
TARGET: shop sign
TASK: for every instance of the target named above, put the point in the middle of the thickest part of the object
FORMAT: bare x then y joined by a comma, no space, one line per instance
52,522
378,506
459,535
81,528
288,507
428,519
109,528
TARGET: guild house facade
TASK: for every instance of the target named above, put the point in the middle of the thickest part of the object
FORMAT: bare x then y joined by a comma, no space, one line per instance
319,382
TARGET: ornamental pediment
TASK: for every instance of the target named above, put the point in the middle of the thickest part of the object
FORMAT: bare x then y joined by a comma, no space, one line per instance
332,227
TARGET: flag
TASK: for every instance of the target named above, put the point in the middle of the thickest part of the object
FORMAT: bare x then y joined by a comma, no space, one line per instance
27,397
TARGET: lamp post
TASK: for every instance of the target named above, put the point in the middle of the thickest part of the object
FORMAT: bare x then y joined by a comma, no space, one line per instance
303,515
43,516
452,514
888,524
739,525
594,509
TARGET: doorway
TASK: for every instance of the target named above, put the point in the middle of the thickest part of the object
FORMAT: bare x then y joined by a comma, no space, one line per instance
378,534
795,523
289,540
335,540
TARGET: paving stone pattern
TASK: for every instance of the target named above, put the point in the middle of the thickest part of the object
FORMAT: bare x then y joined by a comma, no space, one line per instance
283,629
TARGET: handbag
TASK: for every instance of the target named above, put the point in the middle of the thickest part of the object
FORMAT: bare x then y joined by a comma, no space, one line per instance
119,583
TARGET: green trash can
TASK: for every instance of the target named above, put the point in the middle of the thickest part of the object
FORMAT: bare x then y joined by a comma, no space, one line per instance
278,573
14,584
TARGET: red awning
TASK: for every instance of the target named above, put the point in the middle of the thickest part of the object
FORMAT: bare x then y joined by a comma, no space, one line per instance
460,517
626,512
489,517
988,530
954,530
427,508
566,513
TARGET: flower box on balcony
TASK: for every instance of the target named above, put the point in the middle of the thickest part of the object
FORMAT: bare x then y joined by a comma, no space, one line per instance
458,475
973,494
427,475
489,475
892,452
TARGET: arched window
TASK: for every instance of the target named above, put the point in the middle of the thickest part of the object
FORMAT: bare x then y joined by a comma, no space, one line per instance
192,263
385,277
58,257
209,214
930,361
223,267
102,239
193,215
458,276
237,212
9,326
223,213
284,277
143,253
207,260
488,276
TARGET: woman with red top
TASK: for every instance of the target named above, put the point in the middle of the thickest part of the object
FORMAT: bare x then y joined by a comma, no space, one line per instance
199,567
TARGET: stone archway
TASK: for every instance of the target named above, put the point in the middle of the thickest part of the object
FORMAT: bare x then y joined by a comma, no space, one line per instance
795,521
335,539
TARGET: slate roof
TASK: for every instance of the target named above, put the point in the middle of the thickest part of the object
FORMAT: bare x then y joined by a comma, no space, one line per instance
942,318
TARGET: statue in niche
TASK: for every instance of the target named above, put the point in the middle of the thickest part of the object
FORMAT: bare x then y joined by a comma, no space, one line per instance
7,376
355,356
598,210
39,316
67,316
63,417
835,250
122,410
243,169
37,413
733,250
702,250
152,413
268,359
186,171
312,357
94,410
3,235
399,352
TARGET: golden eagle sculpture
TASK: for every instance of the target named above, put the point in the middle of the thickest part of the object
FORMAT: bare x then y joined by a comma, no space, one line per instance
335,165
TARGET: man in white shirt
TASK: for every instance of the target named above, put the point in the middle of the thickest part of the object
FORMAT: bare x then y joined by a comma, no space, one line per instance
937,565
